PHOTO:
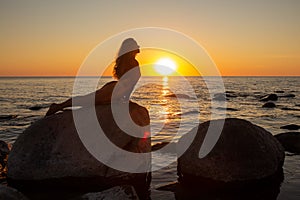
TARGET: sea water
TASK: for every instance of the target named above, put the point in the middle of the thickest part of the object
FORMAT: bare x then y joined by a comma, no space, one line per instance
23,100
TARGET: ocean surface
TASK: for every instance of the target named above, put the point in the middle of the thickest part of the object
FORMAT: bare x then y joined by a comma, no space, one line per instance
25,100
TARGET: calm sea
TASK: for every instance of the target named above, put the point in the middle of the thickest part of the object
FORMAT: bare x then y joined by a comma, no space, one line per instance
18,96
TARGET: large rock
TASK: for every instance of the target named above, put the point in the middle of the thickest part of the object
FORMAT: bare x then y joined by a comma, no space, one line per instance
244,152
124,192
290,141
9,193
50,153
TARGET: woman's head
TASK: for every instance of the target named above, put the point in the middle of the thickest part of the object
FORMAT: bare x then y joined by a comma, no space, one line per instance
126,57
127,46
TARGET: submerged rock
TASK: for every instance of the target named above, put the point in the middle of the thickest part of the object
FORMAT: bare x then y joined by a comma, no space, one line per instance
50,153
269,105
9,193
288,96
181,96
38,107
291,127
279,91
125,192
7,117
290,141
244,152
270,97
220,97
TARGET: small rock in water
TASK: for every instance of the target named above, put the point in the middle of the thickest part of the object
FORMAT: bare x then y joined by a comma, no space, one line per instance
279,91
181,96
290,141
290,127
38,107
269,105
229,109
8,193
220,97
7,117
125,192
293,109
288,96
271,97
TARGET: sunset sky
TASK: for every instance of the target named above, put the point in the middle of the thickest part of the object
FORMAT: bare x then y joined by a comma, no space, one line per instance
52,38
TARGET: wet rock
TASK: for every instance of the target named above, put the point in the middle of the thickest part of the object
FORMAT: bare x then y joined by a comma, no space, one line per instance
8,193
50,153
269,105
220,97
35,108
290,127
229,109
7,117
125,192
244,152
288,96
279,91
290,141
4,151
271,97
292,109
181,96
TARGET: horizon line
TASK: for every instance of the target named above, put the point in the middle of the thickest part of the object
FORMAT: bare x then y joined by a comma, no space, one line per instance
61,76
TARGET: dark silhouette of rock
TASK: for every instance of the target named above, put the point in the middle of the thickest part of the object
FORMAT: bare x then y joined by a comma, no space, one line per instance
124,192
181,96
8,193
4,151
288,96
35,108
269,105
290,141
50,153
290,127
279,91
229,109
7,117
270,97
220,97
293,109
243,153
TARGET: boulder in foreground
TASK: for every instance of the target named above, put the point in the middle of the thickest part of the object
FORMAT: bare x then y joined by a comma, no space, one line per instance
125,192
50,154
244,152
9,193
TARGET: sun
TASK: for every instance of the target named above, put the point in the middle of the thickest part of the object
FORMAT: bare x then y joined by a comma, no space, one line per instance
165,66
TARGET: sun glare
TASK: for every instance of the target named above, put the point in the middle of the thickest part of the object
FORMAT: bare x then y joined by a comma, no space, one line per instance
165,66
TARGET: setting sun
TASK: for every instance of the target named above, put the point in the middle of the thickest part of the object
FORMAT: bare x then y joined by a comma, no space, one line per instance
165,66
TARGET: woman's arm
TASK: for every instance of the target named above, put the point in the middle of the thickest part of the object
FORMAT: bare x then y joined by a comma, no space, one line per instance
68,103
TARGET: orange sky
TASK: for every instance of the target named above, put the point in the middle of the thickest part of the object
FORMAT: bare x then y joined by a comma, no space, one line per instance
53,38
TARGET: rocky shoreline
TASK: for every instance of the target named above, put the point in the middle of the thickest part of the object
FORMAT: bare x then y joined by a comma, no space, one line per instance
49,161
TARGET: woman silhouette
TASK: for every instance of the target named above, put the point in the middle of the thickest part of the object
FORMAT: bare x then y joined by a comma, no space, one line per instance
124,63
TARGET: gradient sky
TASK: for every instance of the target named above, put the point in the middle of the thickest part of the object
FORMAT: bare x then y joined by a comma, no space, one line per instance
243,37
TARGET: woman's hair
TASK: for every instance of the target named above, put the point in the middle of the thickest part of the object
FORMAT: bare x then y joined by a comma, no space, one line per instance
126,57
122,64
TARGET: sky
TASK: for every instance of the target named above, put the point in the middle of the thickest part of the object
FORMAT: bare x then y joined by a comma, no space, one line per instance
242,37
